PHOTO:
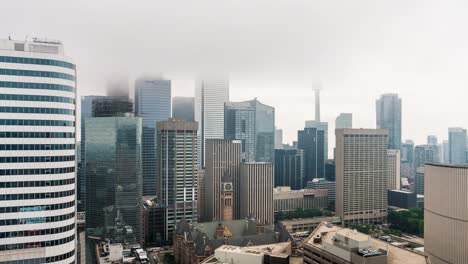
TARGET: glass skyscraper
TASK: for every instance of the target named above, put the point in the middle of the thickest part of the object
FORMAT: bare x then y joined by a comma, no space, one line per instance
152,104
290,168
457,145
254,124
388,112
311,140
37,152
113,178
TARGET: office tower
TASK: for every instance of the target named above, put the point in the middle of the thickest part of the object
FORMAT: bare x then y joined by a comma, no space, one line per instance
86,112
320,126
201,195
254,124
344,120
388,110
152,104
361,175
407,151
446,151
111,106
177,171
256,191
432,140
183,108
457,145
446,214
286,200
113,178
37,152
223,158
289,168
425,154
419,180
311,140
210,97
393,182
323,184
330,170
402,199
278,138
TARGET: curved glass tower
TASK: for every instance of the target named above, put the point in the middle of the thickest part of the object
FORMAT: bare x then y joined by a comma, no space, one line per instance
37,153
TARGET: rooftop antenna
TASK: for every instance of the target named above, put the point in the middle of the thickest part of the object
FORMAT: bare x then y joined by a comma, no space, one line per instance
317,87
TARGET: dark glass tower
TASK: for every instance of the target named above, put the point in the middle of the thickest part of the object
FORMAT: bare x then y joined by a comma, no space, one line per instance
290,168
311,140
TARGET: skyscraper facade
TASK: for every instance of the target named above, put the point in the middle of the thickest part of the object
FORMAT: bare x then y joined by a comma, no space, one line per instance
311,140
152,104
344,120
183,108
256,191
254,124
457,145
320,126
210,97
223,159
278,138
388,111
113,178
393,182
178,169
37,152
446,151
406,153
361,175
290,168
425,154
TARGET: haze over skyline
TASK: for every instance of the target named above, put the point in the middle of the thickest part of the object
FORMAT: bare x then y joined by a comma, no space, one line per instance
273,50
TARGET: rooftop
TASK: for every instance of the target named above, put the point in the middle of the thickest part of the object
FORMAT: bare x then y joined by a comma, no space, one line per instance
36,45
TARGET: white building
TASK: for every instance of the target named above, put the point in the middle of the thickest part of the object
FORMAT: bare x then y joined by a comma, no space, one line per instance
344,120
394,182
37,152
210,97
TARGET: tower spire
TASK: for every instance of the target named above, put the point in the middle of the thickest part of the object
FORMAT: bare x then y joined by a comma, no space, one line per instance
317,87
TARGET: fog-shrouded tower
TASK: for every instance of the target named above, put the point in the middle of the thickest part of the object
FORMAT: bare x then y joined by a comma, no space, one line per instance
388,113
37,150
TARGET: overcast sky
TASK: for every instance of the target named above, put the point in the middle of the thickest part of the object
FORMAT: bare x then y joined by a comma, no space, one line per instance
274,50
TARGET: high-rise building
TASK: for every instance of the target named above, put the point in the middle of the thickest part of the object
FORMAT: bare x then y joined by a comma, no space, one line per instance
111,106
254,124
407,151
152,104
278,138
320,126
457,145
393,182
361,175
201,195
223,159
210,97
330,170
183,108
290,168
256,191
113,178
311,140
323,184
388,111
446,213
37,152
177,171
424,154
432,140
419,180
344,120
446,151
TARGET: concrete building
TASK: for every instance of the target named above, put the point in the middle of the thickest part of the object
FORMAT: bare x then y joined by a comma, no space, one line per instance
37,152
177,171
183,108
388,112
271,253
256,191
152,104
289,168
323,184
253,123
210,97
278,138
457,145
402,199
361,175
223,159
201,194
393,182
287,200
446,213
307,224
344,120
334,244
311,140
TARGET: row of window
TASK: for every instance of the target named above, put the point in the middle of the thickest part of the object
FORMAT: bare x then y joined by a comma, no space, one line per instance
38,98
37,146
35,196
47,207
36,171
37,135
37,159
42,86
36,122
47,74
36,220
42,260
26,184
50,243
22,60
40,232
36,110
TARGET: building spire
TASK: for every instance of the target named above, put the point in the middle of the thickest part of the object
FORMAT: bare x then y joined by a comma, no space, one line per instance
317,87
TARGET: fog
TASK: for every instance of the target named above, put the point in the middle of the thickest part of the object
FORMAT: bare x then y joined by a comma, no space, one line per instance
274,50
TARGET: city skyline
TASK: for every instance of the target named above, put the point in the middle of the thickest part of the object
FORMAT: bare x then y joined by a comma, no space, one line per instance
351,83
